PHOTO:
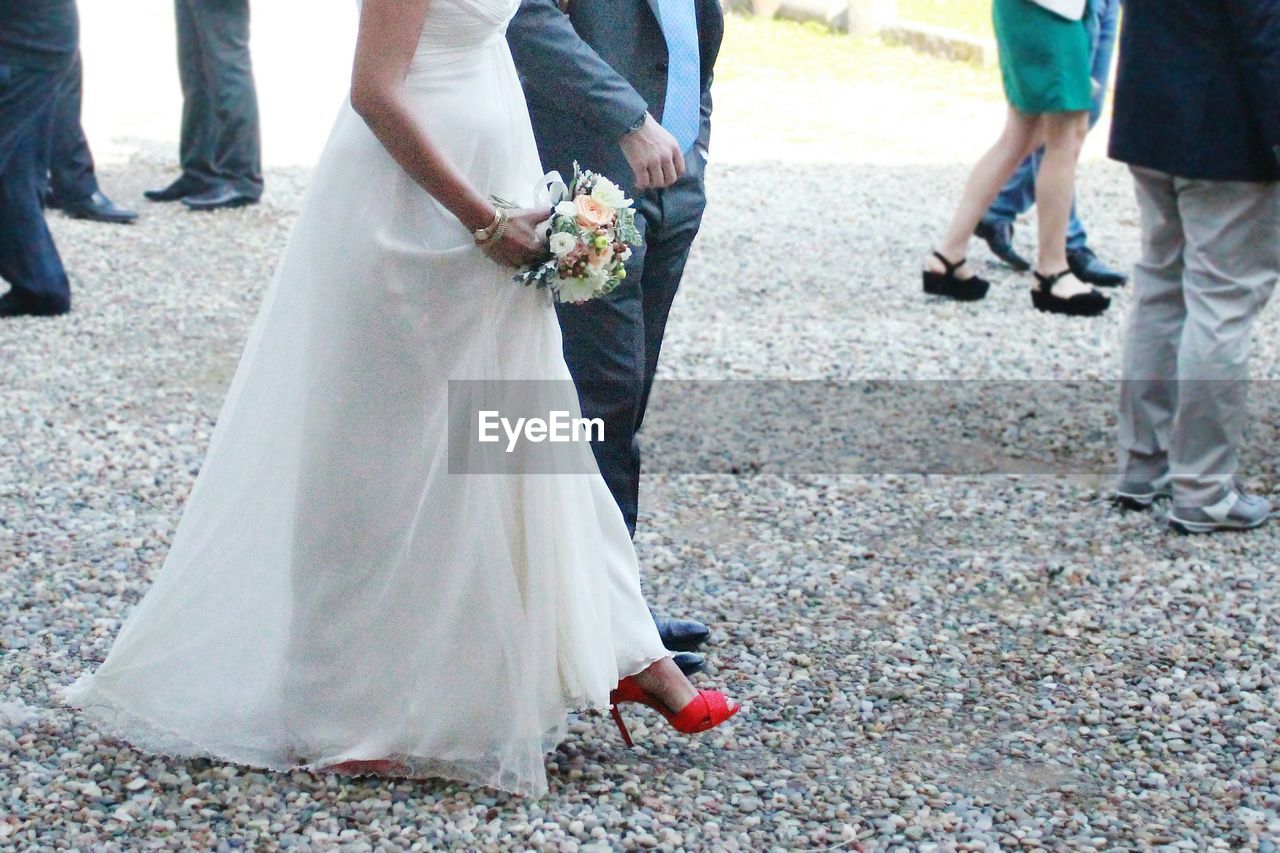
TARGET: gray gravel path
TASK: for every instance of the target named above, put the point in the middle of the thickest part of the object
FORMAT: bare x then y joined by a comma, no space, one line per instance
931,662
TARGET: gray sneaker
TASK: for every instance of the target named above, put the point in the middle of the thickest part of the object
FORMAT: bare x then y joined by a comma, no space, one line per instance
1139,495
1237,511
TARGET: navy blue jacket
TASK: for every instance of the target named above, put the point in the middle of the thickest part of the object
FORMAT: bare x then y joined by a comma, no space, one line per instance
1198,89
590,74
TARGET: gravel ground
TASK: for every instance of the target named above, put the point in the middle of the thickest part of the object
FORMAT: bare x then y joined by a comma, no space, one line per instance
989,661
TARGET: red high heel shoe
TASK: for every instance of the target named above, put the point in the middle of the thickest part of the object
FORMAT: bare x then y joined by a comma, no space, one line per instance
708,709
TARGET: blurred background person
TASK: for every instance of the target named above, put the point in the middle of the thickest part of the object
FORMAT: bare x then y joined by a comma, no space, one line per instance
38,43
73,183
221,148
1046,64
1197,119
1019,195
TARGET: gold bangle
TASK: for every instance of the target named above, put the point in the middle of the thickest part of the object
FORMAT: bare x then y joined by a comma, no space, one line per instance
499,229
484,236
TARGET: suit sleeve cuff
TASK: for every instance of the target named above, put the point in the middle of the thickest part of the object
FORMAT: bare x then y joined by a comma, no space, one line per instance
617,123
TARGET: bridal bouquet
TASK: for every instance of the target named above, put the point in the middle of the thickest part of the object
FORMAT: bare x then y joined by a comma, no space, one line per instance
590,235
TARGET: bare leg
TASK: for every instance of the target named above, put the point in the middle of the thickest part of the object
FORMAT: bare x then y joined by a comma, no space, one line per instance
1020,137
664,681
1055,191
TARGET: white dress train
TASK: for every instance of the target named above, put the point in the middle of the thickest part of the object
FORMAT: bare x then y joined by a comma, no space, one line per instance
333,593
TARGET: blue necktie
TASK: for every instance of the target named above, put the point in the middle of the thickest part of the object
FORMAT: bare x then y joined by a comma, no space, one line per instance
682,111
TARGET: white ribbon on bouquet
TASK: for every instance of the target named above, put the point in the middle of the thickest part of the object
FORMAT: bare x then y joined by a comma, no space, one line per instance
548,192
551,190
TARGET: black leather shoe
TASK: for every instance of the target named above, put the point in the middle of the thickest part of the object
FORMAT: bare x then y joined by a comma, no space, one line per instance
689,663
681,635
218,198
179,189
1085,266
97,208
14,304
999,238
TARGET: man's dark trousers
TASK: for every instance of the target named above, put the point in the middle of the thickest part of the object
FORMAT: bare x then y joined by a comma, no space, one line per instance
71,172
612,344
29,260
221,142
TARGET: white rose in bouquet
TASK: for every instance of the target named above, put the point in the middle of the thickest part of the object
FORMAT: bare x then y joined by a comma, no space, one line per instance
567,208
610,194
562,244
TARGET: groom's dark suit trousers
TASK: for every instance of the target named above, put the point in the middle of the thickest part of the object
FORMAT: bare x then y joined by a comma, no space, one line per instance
612,344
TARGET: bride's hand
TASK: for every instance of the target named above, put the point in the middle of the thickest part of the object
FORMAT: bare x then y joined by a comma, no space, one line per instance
521,246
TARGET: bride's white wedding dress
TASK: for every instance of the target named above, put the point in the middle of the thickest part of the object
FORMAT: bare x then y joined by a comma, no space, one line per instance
333,593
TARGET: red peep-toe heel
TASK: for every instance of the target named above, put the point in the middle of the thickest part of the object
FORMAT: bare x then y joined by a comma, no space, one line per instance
708,709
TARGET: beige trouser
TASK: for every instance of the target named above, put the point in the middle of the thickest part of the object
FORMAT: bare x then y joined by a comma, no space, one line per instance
1210,259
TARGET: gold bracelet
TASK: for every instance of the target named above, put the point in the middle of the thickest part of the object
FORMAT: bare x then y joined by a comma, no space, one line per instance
499,229
484,236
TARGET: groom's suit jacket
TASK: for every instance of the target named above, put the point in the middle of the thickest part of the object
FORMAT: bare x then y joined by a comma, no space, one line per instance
591,74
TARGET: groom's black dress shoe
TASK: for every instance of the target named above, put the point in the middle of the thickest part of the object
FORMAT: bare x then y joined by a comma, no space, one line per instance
179,189
97,208
999,238
1086,267
218,198
681,635
689,663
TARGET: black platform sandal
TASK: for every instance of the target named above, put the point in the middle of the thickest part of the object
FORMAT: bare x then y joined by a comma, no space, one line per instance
1089,304
951,285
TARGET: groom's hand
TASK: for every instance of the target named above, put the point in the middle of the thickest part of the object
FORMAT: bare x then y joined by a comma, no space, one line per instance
654,155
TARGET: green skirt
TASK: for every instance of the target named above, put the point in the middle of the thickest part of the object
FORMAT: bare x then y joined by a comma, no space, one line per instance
1045,59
